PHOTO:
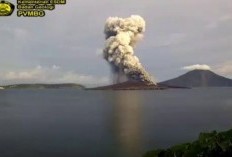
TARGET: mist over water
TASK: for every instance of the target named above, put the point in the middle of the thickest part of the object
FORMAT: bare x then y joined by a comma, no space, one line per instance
70,123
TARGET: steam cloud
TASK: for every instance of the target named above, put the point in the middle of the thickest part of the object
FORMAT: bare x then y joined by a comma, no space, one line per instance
197,67
122,35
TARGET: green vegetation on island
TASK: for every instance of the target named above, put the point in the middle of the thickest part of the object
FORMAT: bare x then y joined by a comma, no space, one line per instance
44,86
208,145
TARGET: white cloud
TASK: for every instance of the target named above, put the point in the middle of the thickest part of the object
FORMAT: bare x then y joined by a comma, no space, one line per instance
51,74
197,67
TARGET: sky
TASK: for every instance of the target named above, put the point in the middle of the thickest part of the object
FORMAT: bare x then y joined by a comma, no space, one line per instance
66,45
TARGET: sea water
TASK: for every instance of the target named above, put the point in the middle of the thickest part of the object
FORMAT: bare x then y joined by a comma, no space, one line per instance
79,123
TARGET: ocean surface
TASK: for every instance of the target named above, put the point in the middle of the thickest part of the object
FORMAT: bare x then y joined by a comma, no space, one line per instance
78,123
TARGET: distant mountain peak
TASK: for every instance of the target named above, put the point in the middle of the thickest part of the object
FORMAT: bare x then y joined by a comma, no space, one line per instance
199,78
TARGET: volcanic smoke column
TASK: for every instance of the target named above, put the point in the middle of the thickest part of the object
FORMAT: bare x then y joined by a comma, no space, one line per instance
121,36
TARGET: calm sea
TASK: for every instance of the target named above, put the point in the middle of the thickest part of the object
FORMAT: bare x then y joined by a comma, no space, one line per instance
76,123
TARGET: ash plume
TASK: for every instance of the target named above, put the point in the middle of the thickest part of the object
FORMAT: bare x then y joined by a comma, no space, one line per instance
121,36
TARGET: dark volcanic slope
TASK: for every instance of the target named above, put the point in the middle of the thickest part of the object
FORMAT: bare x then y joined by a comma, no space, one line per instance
133,85
199,78
129,85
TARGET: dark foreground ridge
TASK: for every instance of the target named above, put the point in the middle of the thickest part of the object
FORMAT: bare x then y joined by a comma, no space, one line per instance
208,145
44,86
134,85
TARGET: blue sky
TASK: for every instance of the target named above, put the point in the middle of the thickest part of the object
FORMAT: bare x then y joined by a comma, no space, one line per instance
66,44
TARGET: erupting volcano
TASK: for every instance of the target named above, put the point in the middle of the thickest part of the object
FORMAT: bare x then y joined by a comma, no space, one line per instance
121,36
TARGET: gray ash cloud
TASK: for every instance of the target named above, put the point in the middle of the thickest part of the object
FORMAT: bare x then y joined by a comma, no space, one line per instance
122,35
